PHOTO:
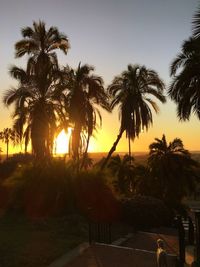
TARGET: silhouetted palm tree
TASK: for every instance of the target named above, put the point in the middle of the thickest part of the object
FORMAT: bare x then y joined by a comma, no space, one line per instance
172,169
40,45
131,91
87,162
185,70
6,136
35,112
33,98
85,93
123,169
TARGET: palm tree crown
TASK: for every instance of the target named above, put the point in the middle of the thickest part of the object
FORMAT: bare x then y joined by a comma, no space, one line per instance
123,169
131,91
185,70
172,169
161,147
40,44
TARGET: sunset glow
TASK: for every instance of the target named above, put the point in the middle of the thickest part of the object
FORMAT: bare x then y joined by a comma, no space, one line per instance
61,144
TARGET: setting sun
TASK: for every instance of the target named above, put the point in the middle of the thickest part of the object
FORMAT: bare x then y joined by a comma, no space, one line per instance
61,144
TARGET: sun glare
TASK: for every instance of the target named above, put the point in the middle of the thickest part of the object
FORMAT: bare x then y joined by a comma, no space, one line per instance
61,143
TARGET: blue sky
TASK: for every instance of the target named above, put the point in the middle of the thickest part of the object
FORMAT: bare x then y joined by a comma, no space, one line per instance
108,35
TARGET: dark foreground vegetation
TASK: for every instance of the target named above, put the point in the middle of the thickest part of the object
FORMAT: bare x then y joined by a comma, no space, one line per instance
45,208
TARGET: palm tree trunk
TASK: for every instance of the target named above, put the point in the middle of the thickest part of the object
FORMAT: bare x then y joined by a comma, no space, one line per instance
7,145
85,153
113,148
55,147
129,146
130,159
76,134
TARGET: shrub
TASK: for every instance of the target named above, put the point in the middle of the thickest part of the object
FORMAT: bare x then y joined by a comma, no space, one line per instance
41,190
55,189
8,166
145,212
95,198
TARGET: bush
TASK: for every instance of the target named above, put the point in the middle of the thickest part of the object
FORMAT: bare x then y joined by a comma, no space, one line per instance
8,166
41,190
95,198
145,212
56,189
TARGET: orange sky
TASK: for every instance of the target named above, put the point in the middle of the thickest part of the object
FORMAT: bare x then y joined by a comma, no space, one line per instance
187,131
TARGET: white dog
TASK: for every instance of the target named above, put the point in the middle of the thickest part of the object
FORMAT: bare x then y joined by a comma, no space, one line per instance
161,254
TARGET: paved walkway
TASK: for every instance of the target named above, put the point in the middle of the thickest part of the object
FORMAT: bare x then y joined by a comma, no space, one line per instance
101,255
148,241
138,251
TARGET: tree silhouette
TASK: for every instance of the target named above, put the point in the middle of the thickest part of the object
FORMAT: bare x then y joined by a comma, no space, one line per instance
172,169
123,169
35,96
131,91
85,92
6,136
185,72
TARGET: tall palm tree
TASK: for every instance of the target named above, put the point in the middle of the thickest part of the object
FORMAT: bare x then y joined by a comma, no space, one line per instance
185,71
85,93
35,113
172,168
35,95
131,91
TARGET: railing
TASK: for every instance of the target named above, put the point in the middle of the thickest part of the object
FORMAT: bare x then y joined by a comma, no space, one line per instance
100,232
189,234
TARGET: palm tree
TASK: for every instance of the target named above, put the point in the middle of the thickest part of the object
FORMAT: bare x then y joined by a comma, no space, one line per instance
130,91
35,114
36,97
40,44
0,153
123,169
87,163
172,169
6,136
185,71
85,93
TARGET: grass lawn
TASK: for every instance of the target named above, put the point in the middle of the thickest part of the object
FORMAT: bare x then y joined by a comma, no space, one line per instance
38,243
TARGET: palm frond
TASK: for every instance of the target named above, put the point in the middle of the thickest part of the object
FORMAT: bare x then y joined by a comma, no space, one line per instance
196,24
25,47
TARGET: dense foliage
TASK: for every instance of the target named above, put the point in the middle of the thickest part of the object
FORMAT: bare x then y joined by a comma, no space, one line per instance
56,189
145,212
172,170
